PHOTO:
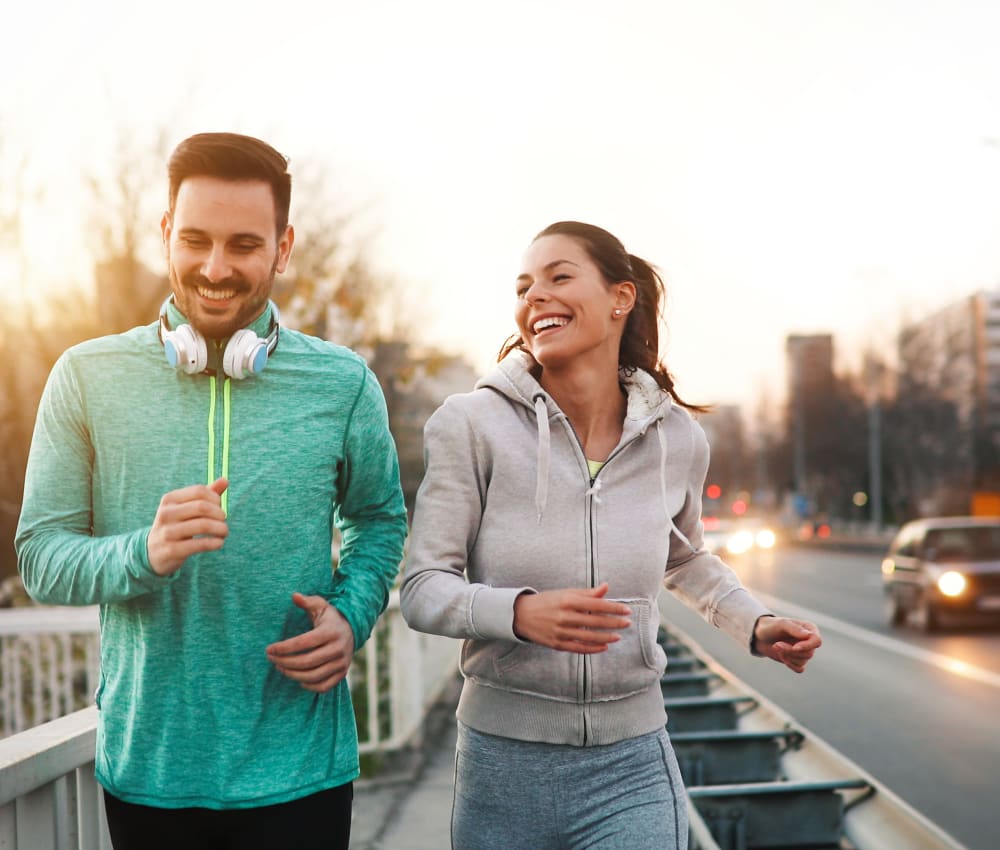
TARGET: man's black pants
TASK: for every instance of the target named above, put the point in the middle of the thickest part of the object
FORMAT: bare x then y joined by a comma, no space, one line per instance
318,822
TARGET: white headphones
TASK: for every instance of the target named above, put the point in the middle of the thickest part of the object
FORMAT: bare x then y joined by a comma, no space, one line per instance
245,354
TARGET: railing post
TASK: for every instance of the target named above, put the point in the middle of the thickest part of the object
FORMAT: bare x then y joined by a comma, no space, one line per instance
406,687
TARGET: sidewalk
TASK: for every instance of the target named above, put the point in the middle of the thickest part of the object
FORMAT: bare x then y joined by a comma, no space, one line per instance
409,807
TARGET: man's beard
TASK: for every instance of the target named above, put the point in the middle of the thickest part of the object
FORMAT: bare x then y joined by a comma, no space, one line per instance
187,285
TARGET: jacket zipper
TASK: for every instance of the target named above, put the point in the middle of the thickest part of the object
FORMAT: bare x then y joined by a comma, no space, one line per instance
592,578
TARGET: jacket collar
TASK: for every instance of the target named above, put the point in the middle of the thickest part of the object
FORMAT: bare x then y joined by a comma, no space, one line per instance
514,379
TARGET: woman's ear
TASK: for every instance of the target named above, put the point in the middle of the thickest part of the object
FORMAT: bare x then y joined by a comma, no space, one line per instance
624,297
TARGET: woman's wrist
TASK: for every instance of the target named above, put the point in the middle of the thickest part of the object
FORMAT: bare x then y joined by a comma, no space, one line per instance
753,634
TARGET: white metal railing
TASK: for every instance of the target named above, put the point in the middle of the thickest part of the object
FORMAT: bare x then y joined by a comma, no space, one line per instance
401,674
49,799
49,664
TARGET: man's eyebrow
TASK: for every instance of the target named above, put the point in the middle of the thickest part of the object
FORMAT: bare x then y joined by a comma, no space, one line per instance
547,267
241,237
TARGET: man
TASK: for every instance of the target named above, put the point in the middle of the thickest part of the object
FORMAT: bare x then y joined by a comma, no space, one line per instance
191,492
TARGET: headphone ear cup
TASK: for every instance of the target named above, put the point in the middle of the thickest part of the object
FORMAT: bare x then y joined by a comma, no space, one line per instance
245,355
185,349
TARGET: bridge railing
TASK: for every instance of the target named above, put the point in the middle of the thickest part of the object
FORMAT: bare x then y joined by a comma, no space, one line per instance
49,664
49,799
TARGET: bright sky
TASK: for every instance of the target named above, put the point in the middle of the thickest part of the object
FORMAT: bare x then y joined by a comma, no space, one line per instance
793,166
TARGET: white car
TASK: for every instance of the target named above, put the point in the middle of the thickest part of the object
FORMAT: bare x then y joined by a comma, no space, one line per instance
943,569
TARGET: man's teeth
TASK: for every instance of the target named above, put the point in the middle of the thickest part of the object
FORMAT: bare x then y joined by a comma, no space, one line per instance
216,294
550,322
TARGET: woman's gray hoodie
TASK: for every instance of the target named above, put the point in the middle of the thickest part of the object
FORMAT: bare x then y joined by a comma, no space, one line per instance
507,506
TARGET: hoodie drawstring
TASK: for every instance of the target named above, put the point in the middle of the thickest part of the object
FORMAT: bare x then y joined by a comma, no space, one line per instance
544,450
671,527
595,488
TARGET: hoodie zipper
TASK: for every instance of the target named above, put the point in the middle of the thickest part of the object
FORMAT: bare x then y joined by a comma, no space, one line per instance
592,576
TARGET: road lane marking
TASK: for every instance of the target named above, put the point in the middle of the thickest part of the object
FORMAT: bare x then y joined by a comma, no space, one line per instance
936,659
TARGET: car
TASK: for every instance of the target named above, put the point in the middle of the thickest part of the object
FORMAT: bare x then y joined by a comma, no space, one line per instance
943,570
737,536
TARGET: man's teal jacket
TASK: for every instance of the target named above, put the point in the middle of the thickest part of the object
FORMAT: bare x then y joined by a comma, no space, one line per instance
191,711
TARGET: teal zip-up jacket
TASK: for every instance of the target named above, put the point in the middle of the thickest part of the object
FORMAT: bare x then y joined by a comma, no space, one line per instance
191,711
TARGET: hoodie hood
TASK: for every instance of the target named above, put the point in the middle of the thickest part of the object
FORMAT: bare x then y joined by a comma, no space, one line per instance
513,379
647,405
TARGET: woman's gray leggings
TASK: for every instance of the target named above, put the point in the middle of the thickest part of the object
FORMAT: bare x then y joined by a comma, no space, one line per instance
520,795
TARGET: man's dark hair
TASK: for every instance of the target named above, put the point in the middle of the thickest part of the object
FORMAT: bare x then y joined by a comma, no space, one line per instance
231,156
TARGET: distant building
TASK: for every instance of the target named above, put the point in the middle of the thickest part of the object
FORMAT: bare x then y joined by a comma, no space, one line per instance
731,465
811,401
415,384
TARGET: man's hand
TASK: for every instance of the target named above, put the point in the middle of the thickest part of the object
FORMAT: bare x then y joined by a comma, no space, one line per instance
187,521
572,620
320,658
789,642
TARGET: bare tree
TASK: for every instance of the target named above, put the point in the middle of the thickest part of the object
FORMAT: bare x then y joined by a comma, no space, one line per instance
332,289
127,200
14,426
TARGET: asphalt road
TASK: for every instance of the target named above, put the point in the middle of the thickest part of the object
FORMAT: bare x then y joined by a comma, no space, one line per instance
920,713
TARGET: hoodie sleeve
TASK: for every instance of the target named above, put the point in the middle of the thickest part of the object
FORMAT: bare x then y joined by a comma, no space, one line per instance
371,514
60,560
435,596
701,580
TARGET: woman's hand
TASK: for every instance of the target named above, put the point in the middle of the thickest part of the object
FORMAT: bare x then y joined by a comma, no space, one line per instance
789,642
571,620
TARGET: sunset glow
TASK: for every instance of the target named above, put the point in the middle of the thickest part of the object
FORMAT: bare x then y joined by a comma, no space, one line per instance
791,167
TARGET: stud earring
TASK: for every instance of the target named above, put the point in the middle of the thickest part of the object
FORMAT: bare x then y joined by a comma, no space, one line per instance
618,312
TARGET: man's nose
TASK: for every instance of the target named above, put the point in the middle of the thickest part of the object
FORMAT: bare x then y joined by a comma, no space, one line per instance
216,267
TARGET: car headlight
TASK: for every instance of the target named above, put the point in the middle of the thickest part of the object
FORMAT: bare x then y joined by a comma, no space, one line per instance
739,543
766,538
951,583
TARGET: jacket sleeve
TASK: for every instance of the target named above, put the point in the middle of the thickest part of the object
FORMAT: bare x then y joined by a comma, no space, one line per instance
370,514
435,596
60,560
698,578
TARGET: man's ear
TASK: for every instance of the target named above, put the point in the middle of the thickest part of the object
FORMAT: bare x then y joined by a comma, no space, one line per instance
166,225
285,244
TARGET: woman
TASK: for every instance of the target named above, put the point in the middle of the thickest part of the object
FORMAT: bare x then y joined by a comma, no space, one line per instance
558,496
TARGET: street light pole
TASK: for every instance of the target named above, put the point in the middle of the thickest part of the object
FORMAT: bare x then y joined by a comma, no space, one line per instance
875,461
874,373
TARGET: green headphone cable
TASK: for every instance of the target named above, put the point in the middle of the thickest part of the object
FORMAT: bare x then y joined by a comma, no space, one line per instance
226,418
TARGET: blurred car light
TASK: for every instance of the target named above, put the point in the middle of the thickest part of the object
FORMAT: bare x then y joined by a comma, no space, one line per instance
951,583
740,542
766,538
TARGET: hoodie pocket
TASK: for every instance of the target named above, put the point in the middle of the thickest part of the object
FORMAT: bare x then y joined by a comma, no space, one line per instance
634,663
526,668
